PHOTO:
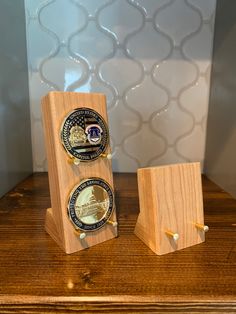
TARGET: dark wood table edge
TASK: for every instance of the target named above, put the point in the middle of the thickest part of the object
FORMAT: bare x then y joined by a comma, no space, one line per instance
115,303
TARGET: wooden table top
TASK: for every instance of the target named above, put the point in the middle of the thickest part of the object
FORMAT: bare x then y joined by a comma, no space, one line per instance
118,275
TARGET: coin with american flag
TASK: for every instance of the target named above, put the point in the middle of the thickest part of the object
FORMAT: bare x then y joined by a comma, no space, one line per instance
84,134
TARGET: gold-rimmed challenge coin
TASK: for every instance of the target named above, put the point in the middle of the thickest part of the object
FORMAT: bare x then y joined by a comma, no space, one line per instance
91,204
84,134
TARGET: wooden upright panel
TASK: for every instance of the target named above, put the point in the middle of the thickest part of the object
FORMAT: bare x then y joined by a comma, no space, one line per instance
63,176
170,201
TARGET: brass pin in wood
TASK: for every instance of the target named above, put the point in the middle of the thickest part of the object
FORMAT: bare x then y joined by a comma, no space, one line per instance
108,156
173,235
113,223
74,161
81,235
202,227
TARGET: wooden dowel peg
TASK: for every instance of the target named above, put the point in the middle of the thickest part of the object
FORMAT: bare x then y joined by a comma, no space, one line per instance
81,235
202,227
108,156
113,223
173,235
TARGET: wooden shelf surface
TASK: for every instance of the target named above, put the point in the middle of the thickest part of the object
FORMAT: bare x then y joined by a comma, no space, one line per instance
120,275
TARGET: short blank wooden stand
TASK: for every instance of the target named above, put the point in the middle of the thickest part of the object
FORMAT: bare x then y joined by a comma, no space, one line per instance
171,205
63,176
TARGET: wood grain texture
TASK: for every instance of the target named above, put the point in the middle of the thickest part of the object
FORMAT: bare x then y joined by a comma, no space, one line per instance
170,200
63,176
117,276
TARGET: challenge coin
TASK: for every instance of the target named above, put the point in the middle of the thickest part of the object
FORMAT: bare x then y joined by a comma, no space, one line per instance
84,134
90,204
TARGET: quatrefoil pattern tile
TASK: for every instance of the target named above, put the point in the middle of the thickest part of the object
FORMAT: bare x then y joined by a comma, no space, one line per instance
152,59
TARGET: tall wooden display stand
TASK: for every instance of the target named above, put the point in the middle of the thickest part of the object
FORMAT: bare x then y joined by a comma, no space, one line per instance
171,207
63,175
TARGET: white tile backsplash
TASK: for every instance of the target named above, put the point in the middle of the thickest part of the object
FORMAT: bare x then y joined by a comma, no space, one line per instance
178,20
151,58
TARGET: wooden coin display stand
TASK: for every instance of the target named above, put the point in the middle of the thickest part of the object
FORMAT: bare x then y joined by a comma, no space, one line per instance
64,176
171,207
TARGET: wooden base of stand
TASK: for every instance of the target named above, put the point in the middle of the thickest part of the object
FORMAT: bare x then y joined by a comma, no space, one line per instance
51,228
92,238
171,207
